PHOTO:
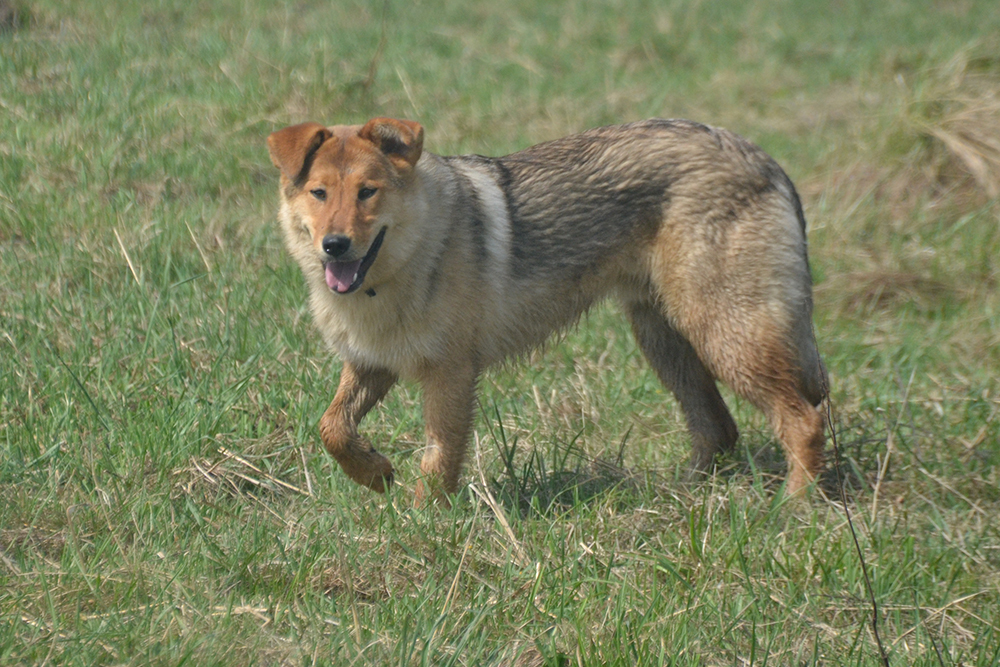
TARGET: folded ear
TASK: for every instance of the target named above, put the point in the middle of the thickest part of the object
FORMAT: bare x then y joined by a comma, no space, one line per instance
401,141
292,149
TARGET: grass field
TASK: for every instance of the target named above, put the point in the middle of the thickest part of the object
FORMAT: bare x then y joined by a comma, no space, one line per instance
165,500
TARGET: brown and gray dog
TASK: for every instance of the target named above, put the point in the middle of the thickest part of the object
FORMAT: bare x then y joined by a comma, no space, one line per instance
433,268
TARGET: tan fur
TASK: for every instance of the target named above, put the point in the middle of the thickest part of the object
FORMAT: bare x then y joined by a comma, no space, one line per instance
470,260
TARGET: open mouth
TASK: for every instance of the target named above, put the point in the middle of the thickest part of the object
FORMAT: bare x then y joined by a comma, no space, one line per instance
345,277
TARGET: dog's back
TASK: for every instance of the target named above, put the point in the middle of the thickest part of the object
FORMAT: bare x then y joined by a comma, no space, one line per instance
564,223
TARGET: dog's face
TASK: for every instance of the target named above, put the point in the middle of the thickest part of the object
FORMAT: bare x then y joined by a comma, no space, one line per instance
338,183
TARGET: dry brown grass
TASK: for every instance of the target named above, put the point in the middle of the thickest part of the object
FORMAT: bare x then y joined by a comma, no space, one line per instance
894,223
958,110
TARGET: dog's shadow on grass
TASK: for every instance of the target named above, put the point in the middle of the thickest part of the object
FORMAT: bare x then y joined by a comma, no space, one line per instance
850,467
561,477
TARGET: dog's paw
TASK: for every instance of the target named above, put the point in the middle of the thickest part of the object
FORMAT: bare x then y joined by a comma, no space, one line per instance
429,491
369,468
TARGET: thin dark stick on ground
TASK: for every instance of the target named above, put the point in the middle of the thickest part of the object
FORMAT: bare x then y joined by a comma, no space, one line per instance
850,524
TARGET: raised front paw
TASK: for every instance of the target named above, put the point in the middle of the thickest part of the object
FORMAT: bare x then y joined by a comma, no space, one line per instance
368,468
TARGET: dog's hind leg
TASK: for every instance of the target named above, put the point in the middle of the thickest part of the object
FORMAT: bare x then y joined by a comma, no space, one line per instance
790,395
677,365
757,355
359,391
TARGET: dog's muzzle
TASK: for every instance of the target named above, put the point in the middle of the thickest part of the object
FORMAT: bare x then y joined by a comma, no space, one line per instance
346,277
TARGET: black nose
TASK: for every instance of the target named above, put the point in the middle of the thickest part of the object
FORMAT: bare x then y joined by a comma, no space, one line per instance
336,245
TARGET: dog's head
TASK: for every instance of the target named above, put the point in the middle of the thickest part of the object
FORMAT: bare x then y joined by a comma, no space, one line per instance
337,182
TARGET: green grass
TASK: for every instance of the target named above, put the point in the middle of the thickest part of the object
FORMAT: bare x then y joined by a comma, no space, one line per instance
165,498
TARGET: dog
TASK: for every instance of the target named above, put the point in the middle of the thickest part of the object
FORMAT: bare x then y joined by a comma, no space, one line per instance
433,268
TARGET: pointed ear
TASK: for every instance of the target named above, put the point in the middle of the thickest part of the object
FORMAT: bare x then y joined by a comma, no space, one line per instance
292,149
401,141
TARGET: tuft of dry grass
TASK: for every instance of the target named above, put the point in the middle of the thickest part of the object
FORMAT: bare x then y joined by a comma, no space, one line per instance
882,289
957,110
911,219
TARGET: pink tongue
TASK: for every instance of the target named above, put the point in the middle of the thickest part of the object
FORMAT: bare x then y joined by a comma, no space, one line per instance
340,275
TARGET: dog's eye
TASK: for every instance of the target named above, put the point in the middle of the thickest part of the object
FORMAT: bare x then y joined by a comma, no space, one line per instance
366,193
318,193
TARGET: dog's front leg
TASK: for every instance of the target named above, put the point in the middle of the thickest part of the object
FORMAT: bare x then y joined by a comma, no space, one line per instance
449,395
359,391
